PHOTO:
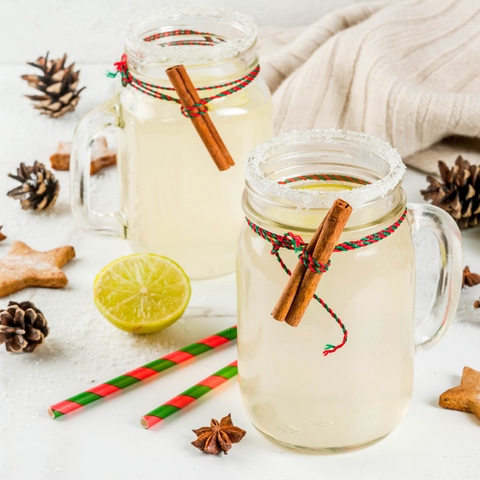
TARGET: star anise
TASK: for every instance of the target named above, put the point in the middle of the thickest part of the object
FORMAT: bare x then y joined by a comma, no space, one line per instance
218,437
470,279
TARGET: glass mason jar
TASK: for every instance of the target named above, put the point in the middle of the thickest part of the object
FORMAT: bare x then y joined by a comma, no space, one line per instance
174,200
354,396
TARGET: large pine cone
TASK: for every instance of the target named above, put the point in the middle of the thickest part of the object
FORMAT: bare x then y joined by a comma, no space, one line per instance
22,327
39,189
58,84
459,194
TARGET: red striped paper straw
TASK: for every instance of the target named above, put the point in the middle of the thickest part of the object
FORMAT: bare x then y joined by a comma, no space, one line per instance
152,368
190,395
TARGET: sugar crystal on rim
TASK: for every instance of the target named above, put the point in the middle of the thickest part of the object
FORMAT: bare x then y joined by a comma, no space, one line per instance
307,199
226,50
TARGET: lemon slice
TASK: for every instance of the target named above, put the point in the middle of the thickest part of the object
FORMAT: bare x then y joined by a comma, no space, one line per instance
142,293
328,187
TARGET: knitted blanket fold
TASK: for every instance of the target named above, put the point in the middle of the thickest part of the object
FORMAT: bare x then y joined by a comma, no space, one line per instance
407,71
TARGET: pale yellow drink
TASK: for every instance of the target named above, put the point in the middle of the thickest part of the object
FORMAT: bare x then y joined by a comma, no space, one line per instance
174,200
293,393
178,204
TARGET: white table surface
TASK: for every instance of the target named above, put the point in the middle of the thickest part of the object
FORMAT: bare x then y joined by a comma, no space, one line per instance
105,440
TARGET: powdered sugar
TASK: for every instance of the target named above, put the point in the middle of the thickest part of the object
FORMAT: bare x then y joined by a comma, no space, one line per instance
177,17
83,349
308,199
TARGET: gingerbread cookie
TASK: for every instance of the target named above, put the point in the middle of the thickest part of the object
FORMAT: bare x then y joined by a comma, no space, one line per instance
23,267
102,156
465,397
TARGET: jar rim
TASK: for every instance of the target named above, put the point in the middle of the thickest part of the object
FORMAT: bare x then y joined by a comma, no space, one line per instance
309,198
223,51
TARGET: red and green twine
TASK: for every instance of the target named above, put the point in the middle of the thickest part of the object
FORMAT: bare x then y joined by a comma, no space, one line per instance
294,242
209,39
325,177
153,90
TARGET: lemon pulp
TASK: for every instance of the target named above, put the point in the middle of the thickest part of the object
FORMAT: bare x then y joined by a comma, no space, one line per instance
327,187
142,293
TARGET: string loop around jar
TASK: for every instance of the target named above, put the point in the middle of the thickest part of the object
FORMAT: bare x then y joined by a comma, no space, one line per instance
294,242
207,40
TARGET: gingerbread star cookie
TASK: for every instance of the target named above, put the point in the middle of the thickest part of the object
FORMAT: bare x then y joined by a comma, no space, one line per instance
102,156
23,267
465,397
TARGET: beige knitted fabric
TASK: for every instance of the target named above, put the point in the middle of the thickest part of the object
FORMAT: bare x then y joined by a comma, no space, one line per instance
407,71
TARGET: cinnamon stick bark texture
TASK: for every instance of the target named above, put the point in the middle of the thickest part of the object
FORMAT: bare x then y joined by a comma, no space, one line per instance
189,97
288,295
302,291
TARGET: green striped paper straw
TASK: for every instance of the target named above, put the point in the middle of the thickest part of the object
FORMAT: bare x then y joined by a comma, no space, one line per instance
141,373
189,396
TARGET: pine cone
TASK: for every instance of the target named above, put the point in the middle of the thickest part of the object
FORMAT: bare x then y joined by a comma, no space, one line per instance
22,327
58,84
39,189
459,194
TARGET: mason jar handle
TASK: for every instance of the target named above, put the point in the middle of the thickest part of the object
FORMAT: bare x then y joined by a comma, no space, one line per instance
436,322
110,225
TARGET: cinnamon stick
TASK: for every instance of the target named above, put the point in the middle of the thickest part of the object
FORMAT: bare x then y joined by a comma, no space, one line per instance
333,226
285,301
189,97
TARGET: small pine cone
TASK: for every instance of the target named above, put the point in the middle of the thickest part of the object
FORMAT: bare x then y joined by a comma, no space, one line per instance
39,189
58,84
22,327
459,194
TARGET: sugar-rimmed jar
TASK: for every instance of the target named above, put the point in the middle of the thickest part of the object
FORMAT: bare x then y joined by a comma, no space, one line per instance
174,201
356,390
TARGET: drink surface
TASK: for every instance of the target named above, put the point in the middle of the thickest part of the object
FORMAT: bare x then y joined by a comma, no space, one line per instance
355,396
178,204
